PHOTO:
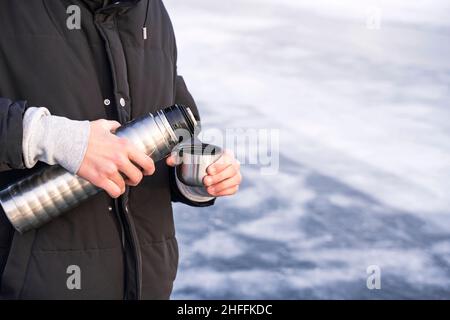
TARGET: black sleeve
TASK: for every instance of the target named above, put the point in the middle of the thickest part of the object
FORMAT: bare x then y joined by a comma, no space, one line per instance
183,97
177,196
11,131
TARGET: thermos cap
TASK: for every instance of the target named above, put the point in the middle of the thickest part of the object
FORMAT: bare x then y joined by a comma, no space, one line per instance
180,117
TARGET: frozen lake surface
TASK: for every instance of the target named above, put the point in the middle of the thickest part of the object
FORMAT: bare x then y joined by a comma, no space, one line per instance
360,94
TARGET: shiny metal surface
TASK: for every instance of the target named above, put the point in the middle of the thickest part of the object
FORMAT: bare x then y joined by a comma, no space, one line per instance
195,159
43,196
35,200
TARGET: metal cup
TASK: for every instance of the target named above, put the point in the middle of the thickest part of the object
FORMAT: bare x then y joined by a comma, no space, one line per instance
195,158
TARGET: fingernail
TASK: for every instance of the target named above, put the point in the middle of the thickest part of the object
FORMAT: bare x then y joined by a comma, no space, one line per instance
208,181
212,170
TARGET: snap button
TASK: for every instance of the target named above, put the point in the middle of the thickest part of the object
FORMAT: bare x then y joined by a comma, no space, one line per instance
106,102
122,102
110,208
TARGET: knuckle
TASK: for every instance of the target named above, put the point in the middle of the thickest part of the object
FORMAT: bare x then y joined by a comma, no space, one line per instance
226,159
120,159
104,124
212,181
99,182
121,182
109,169
136,180
211,191
220,161
124,142
93,176
228,174
134,177
224,175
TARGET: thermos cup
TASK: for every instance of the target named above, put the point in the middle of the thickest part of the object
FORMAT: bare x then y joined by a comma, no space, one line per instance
194,159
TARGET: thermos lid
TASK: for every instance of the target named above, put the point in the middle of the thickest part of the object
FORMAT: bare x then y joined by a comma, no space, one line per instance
199,148
180,117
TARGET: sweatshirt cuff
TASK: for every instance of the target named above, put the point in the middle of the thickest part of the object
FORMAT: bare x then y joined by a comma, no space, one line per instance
53,139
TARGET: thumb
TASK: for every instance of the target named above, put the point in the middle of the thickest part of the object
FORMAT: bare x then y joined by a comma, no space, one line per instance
173,159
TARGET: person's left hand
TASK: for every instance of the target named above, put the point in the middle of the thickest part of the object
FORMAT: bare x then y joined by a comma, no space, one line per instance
223,176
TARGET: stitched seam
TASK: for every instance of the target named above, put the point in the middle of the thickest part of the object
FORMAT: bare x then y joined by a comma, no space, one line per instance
150,243
146,243
76,250
90,44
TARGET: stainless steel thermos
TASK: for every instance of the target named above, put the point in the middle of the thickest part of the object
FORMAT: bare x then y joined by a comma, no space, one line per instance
43,196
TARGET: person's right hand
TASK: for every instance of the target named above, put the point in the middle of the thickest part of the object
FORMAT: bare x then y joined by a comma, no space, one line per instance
111,162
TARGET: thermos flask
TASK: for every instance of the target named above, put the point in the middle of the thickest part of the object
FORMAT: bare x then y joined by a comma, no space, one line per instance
43,196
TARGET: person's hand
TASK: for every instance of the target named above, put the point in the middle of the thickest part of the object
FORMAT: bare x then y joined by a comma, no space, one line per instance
223,176
110,162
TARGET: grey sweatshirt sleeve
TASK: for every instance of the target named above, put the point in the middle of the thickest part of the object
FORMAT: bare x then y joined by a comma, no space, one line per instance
53,140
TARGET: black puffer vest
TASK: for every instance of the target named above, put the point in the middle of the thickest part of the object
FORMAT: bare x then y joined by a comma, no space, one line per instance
125,248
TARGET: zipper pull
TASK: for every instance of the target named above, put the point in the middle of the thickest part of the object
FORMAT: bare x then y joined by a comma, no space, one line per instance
144,33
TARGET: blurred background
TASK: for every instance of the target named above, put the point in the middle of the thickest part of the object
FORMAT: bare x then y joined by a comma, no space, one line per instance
359,93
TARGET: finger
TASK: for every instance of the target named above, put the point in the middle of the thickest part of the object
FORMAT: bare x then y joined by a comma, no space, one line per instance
119,181
103,182
172,161
132,173
142,160
228,183
228,172
113,125
227,192
221,164
111,188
